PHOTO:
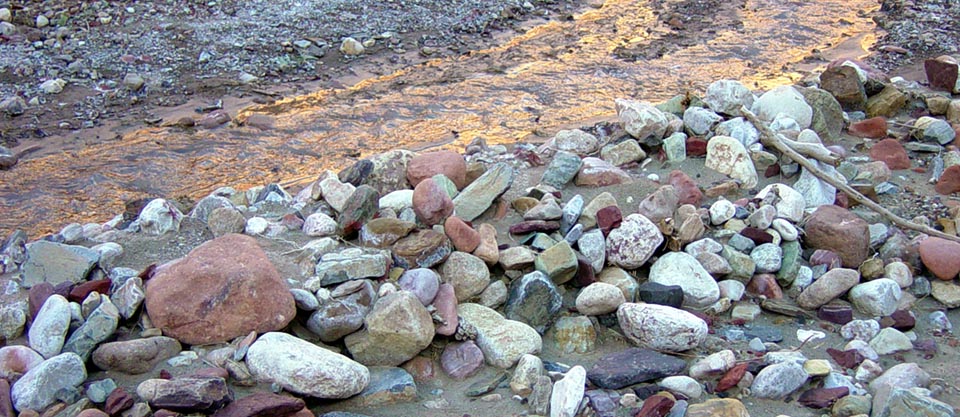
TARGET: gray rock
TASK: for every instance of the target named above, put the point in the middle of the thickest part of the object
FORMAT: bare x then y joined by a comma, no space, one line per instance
38,388
55,263
397,320
135,356
561,169
593,246
571,213
388,385
642,120
99,326
49,329
99,390
675,146
815,191
190,394
128,297
739,129
599,298
787,100
778,380
727,96
699,121
352,264
534,300
889,341
877,298
502,341
305,368
207,205
767,257
525,375
477,197
468,274
908,402
159,216
633,366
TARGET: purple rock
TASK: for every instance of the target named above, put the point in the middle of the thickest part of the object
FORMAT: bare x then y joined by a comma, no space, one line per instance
461,360
534,226
758,236
825,257
422,282
633,366
836,313
822,397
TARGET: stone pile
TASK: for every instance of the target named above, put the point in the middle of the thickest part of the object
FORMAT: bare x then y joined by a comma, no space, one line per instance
394,265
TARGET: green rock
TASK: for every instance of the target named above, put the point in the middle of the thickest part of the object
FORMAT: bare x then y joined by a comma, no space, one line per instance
851,405
561,170
827,118
541,241
743,267
447,185
56,263
904,402
789,264
887,103
674,105
675,147
480,194
559,262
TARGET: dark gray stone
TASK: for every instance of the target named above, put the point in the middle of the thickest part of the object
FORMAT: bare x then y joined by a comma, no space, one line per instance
656,293
633,366
56,263
533,300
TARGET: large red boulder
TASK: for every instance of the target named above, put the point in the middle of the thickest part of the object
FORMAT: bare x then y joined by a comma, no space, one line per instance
222,289
837,229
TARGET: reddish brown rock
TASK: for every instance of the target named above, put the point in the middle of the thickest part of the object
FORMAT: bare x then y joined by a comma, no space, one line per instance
949,182
874,128
446,305
118,401
423,249
655,406
837,229
941,257
732,377
696,147
223,289
836,313
843,82
941,73
37,295
848,359
81,291
421,368
213,119
892,153
431,203
534,226
261,404
687,188
448,163
463,236
822,397
825,257
765,285
609,218
758,236
92,412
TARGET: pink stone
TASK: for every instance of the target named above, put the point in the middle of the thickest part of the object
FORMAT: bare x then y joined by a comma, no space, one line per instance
464,237
461,360
448,163
92,412
431,203
421,368
446,305
6,403
941,257
839,230
16,360
874,128
892,153
765,285
825,257
686,187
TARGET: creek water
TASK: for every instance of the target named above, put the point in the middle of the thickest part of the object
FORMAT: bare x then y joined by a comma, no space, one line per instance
556,75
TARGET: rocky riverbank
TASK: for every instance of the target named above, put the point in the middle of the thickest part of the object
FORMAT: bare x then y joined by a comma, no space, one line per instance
669,262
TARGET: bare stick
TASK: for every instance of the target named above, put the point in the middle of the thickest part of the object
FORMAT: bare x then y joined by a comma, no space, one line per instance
771,139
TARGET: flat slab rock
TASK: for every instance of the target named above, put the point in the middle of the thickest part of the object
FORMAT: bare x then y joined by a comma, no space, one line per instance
633,366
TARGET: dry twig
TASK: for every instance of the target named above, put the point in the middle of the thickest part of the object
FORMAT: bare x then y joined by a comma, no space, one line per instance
769,138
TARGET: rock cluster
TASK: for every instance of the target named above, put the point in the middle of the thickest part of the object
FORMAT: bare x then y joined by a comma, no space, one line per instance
390,268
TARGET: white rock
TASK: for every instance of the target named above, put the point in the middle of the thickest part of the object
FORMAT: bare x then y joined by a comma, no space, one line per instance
49,328
804,335
681,268
815,191
599,298
319,225
682,384
661,327
642,120
37,389
786,229
778,380
862,347
42,22
351,46
304,368
727,96
739,129
731,289
630,245
256,226
876,298
699,121
54,86
721,211
5,15
860,329
713,365
789,202
727,155
868,371
787,100
397,200
702,246
568,392
576,141
159,216
767,257
337,193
